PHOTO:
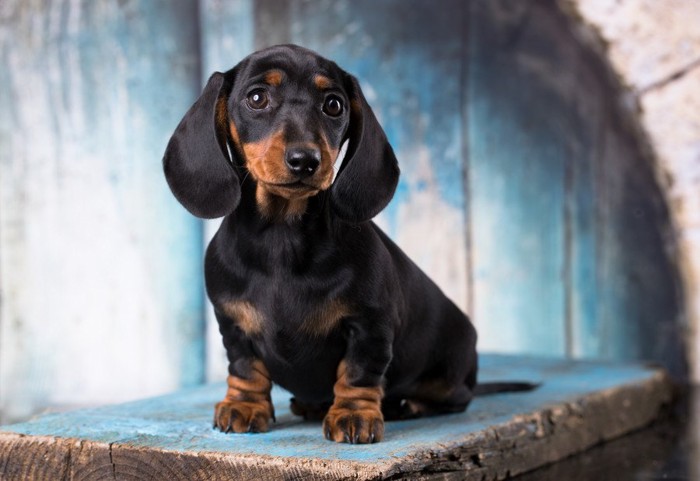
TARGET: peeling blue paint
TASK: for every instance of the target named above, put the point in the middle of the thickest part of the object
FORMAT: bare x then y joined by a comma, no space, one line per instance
566,225
182,421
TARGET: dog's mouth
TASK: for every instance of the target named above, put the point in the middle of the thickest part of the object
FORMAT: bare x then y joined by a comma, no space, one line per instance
291,190
295,185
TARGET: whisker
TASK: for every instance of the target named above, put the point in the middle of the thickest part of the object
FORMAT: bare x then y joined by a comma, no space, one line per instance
247,173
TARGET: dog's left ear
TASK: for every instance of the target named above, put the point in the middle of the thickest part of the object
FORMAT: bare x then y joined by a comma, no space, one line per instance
368,177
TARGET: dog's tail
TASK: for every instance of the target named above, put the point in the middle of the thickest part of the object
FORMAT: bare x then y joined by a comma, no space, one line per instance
486,388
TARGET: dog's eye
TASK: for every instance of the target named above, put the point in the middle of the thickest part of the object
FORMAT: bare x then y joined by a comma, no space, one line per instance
257,99
333,106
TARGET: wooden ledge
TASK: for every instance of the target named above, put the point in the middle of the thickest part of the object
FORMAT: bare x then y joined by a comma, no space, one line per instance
170,437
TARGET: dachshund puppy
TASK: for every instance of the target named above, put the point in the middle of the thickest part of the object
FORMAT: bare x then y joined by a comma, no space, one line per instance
309,293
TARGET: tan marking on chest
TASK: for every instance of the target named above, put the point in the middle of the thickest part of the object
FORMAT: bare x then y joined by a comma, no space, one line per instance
273,206
245,315
325,318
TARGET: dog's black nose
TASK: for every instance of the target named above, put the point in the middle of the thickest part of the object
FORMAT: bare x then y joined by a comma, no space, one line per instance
302,161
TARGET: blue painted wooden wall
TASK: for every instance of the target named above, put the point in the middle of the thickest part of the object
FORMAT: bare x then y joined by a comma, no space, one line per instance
100,270
525,192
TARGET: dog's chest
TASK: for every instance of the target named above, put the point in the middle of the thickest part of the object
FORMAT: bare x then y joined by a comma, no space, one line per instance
298,337
271,315
284,283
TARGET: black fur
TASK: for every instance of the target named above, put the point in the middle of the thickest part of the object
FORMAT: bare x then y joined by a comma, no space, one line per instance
195,162
397,329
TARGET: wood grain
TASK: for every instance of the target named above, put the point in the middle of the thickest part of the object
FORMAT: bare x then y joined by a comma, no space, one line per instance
518,133
527,191
571,241
577,406
100,267
388,46
227,32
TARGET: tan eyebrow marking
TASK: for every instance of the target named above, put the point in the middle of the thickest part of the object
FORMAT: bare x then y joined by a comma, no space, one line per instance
322,82
274,78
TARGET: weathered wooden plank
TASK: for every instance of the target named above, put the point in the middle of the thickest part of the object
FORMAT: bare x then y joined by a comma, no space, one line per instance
227,33
625,295
408,57
569,230
100,268
422,123
623,285
227,36
640,296
578,405
570,235
517,134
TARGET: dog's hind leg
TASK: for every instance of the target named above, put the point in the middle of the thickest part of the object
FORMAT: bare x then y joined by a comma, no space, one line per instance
432,398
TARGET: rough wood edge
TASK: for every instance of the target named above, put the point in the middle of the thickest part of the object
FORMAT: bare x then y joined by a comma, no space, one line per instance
24,457
523,443
529,441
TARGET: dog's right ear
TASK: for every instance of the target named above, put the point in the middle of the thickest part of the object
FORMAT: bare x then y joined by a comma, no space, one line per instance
196,162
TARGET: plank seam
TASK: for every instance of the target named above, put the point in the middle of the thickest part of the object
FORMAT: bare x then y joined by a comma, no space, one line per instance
111,461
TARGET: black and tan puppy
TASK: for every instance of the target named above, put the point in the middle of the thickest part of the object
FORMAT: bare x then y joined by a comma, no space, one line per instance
308,292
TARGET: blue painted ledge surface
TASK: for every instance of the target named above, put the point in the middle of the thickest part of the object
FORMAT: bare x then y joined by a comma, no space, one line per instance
182,421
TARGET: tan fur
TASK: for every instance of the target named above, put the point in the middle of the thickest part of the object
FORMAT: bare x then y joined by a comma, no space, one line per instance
322,82
234,134
274,206
325,318
247,405
246,316
329,155
342,389
355,413
221,111
257,388
265,162
356,106
274,78
265,158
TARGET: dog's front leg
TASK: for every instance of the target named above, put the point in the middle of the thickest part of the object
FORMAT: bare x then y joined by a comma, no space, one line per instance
247,406
356,415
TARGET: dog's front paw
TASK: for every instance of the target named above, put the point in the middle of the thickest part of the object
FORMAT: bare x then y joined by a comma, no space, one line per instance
243,416
354,426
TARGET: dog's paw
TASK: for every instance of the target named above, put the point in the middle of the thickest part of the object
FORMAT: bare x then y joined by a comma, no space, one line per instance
242,416
354,426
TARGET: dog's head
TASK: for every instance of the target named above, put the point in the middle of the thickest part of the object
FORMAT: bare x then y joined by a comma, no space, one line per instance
283,113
